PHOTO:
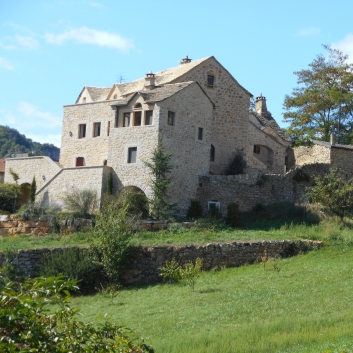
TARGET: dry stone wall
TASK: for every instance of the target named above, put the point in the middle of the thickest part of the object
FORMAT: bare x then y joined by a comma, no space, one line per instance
315,154
249,190
143,264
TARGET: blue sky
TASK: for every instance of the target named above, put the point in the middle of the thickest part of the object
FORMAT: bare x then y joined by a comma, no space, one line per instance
49,50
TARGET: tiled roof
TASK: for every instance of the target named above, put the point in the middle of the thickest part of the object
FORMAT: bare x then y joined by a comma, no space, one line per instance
98,93
162,77
2,165
268,120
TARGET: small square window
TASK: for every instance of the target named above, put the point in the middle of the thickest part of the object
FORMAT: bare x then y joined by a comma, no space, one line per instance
257,149
96,129
137,120
200,133
81,131
126,120
210,80
171,117
83,99
148,117
80,162
132,155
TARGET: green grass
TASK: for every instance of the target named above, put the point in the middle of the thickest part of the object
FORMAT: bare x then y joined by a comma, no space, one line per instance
307,307
325,231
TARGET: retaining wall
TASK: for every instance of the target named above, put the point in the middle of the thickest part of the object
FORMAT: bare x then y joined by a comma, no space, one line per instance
143,263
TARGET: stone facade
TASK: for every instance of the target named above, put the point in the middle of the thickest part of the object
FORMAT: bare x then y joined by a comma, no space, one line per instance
199,110
143,264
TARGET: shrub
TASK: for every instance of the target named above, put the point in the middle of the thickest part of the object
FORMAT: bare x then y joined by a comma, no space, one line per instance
214,212
191,272
234,215
8,270
32,190
259,207
73,263
171,272
111,236
237,165
82,202
195,210
137,201
10,195
27,326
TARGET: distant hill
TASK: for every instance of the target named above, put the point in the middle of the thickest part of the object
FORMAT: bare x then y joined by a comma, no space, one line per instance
12,142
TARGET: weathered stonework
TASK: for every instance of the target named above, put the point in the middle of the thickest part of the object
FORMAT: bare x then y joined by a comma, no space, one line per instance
143,264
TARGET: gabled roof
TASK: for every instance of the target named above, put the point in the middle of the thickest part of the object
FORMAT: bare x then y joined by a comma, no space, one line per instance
160,93
2,165
96,93
268,121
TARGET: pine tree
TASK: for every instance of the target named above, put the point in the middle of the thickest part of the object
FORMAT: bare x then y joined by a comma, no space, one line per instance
160,168
110,184
33,189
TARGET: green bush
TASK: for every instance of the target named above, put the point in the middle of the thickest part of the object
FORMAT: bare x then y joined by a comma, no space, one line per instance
171,272
137,201
73,263
237,165
10,195
82,202
234,215
195,210
27,326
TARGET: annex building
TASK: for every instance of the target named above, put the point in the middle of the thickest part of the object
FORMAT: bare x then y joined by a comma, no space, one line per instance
198,108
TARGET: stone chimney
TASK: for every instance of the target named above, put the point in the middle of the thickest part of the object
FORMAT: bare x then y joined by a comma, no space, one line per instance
260,106
150,81
186,60
332,139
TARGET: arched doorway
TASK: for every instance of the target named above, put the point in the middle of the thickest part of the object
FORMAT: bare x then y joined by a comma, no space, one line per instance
138,202
25,189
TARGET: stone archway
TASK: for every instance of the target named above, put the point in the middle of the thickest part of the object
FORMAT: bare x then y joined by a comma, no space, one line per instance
138,202
25,189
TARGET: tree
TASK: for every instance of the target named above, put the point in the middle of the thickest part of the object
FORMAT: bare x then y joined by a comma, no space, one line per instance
110,184
27,326
332,192
160,167
32,190
323,102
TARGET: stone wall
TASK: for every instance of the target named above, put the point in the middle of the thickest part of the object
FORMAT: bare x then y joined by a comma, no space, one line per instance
35,225
315,154
143,264
247,191
342,159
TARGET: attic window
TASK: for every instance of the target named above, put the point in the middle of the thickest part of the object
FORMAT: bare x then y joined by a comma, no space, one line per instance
210,81
115,96
138,106
83,99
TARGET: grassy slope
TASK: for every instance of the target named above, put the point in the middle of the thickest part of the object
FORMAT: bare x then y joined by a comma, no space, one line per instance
306,308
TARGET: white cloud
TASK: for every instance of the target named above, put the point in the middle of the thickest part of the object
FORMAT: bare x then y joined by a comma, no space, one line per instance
6,64
86,35
7,46
310,31
96,4
346,46
27,42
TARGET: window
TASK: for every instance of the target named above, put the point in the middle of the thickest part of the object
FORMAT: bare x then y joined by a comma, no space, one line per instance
96,129
210,81
257,149
126,120
115,96
138,106
83,99
212,153
80,161
148,117
137,118
171,117
132,155
200,133
108,132
105,162
81,131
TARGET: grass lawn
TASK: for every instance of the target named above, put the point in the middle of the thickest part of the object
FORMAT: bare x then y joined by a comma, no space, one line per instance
307,307
326,231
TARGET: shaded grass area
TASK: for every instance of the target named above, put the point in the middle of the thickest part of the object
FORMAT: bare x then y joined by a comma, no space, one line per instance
305,307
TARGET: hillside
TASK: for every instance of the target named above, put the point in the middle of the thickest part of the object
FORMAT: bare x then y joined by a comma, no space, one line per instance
12,142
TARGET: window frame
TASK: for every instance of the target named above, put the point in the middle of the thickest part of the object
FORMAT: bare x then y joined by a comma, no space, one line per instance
97,129
151,117
81,159
135,117
213,80
212,153
171,118
83,135
130,158
200,134
126,115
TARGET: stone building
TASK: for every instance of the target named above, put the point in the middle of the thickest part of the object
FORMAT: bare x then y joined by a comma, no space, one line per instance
198,109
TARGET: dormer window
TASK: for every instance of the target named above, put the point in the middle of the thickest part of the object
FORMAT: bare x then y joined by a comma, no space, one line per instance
210,81
138,106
